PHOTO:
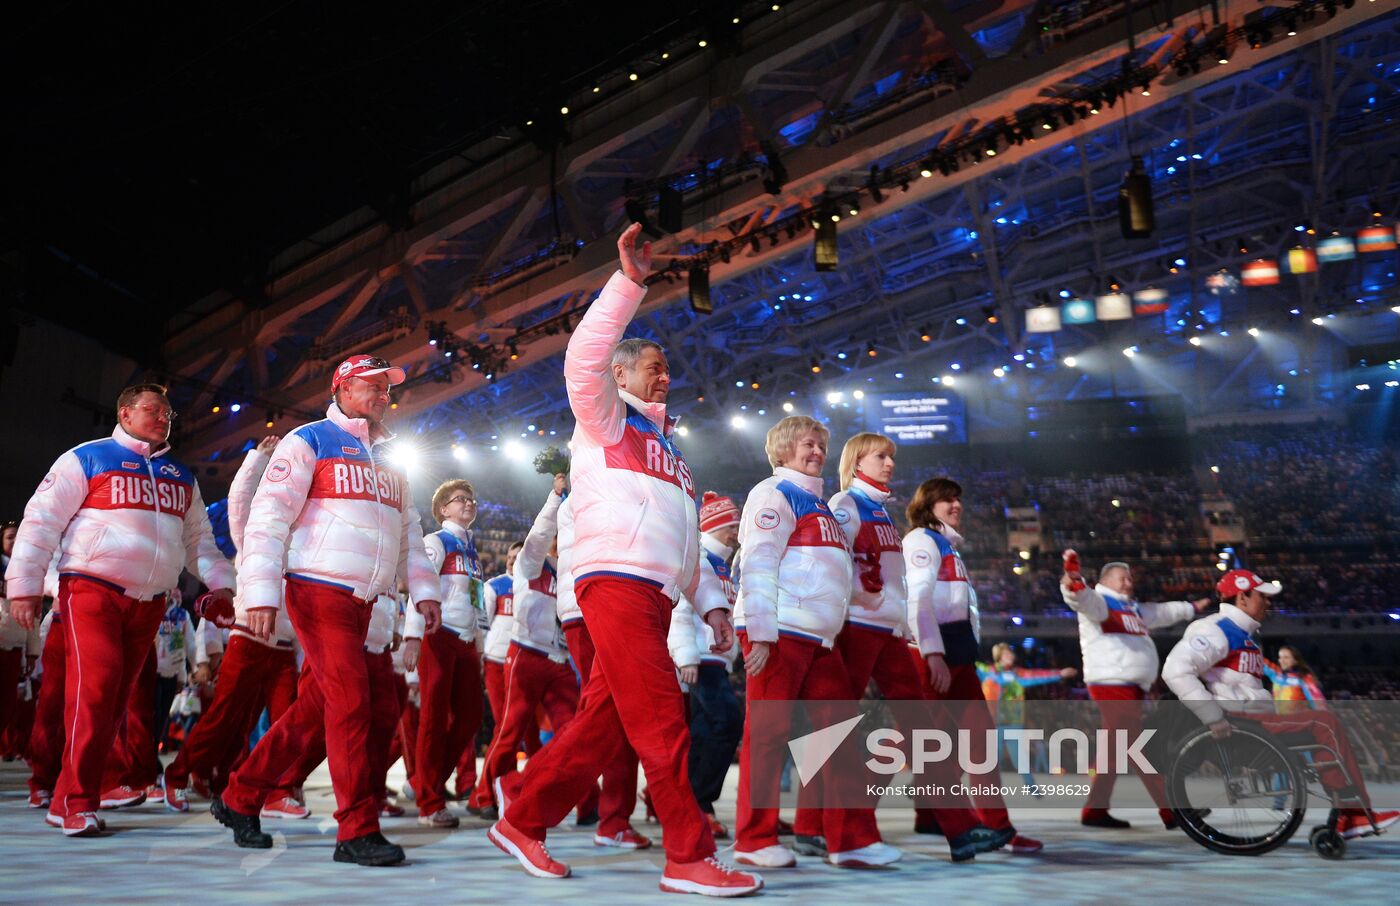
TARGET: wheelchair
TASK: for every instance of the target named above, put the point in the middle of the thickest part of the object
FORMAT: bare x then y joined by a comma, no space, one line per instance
1247,794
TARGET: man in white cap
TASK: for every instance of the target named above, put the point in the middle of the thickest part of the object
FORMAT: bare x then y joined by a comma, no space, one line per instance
1218,667
331,527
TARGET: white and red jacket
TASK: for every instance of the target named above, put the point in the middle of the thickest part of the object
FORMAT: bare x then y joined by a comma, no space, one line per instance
240,499
328,511
633,495
175,643
122,513
796,575
566,604
499,598
690,637
879,599
1218,661
537,589
1113,635
452,552
942,602
383,620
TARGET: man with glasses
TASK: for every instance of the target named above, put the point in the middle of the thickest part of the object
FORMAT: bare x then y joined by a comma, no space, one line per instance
125,518
331,527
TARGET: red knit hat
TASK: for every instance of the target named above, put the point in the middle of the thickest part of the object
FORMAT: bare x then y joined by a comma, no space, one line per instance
716,512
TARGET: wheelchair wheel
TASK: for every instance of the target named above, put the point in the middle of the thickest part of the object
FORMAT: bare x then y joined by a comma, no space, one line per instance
1243,795
1327,843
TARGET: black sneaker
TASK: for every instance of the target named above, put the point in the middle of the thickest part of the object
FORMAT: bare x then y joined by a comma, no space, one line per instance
247,829
804,845
979,839
371,849
1105,820
489,812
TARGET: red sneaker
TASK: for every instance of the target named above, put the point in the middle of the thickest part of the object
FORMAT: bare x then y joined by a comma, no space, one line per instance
709,878
532,855
717,828
1355,823
390,810
625,839
82,824
53,820
120,797
176,800
40,798
1023,845
284,807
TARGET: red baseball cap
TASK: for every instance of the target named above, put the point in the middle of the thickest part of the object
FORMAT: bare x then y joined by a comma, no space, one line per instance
363,366
1241,580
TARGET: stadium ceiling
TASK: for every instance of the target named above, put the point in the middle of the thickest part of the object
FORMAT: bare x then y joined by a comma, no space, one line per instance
501,246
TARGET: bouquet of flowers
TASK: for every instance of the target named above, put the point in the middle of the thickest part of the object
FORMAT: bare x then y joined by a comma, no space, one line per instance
552,461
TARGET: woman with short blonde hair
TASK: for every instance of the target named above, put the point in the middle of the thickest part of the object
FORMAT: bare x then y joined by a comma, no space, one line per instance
782,436
857,449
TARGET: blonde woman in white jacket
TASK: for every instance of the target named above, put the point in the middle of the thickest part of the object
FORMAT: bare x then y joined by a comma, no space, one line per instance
794,586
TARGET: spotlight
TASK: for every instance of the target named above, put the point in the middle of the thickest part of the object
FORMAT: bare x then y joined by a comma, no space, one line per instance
1254,331
1317,321
459,452
826,255
700,301
683,431
787,407
235,407
871,351
948,380
736,422
1130,351
1135,214
514,350
999,372
404,455
924,334
1071,362
1195,341
816,367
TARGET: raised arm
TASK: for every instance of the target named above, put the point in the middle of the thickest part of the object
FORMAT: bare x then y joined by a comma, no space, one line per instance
593,396
1086,601
1156,616
530,560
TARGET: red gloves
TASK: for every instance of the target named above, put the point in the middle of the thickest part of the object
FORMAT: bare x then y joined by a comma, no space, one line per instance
1076,579
870,579
220,610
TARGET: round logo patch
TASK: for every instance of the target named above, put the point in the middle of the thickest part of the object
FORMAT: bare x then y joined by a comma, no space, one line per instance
766,519
48,481
921,558
841,516
279,470
1241,583
1200,642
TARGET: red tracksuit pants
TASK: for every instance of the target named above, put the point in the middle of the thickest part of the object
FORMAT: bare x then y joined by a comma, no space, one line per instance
11,669
967,710
408,739
619,795
252,676
797,670
632,697
45,752
532,680
336,705
109,636
1121,709
1327,731
871,654
449,714
133,761
494,673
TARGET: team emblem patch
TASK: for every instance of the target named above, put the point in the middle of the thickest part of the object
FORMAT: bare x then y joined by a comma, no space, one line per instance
170,469
766,519
130,465
48,481
345,367
921,558
279,470
1241,583
1201,642
841,516
350,451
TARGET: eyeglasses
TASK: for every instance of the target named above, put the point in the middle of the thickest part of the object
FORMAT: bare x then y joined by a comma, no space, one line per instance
453,500
158,411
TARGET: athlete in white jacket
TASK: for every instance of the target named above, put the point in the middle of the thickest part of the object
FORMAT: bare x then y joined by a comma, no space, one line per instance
126,518
1217,669
636,546
332,525
794,586
1120,665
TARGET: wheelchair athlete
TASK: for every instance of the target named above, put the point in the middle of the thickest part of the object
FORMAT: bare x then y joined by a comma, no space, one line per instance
1218,662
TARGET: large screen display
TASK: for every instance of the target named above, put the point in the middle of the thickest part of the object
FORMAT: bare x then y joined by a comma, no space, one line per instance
934,417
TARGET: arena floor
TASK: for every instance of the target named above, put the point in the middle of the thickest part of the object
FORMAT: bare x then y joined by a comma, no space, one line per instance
154,854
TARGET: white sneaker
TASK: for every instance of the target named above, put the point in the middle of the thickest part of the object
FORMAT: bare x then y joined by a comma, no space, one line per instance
872,856
775,856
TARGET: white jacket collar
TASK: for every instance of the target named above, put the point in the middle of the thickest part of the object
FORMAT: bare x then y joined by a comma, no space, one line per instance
138,446
359,427
711,543
869,490
1105,591
1239,618
951,534
456,528
804,481
655,412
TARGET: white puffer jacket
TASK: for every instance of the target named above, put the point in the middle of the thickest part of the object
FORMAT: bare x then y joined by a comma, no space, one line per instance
1217,662
796,569
122,513
240,498
879,558
940,594
500,611
566,605
691,638
633,495
383,620
335,514
537,588
452,552
1113,635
